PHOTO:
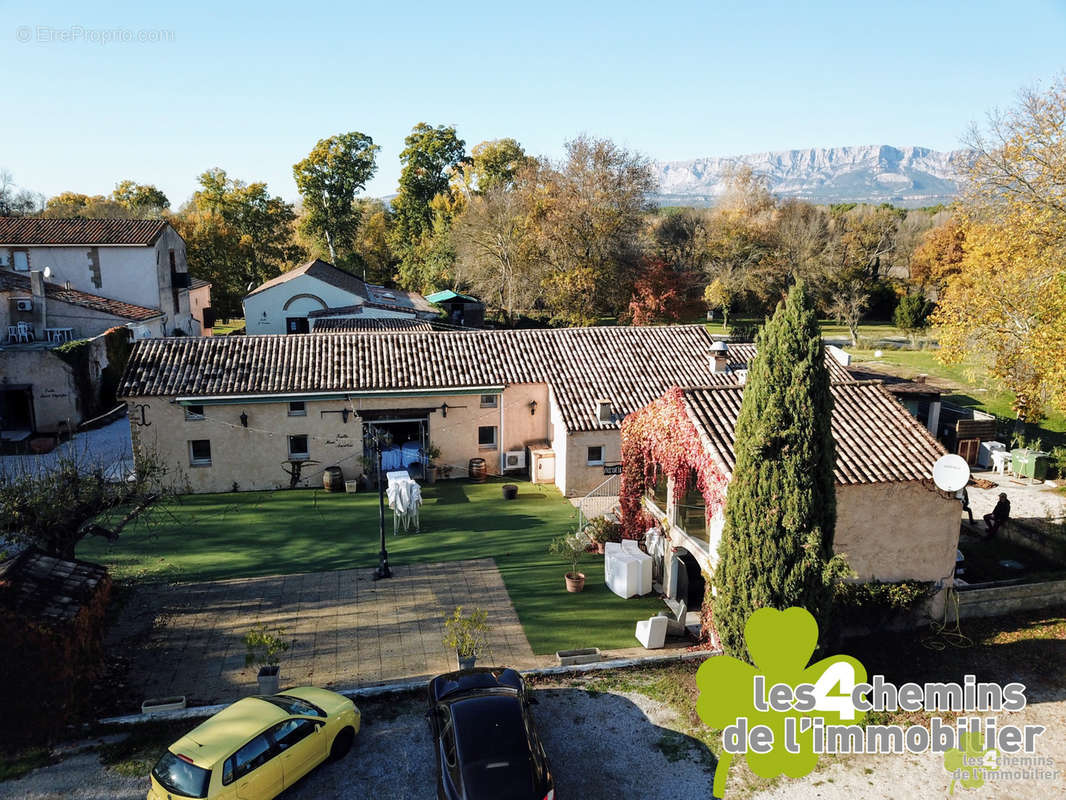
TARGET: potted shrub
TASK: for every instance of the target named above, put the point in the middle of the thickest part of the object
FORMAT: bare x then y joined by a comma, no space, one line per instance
264,648
602,530
432,455
466,635
571,548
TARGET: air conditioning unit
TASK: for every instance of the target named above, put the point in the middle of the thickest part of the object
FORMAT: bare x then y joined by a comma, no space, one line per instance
514,459
24,305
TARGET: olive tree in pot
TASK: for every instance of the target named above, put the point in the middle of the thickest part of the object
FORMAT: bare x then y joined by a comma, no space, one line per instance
264,648
432,456
571,549
467,635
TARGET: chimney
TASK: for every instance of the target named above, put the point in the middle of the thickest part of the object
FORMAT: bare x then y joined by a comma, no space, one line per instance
40,314
719,357
922,378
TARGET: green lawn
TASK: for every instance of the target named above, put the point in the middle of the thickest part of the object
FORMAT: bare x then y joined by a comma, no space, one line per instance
211,537
225,328
830,327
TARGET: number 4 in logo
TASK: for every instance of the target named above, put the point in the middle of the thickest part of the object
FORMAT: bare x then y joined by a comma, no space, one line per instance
840,674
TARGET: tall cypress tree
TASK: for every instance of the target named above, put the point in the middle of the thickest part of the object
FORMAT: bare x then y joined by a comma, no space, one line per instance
780,510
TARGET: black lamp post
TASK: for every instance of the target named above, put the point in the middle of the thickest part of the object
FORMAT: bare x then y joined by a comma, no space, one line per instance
380,442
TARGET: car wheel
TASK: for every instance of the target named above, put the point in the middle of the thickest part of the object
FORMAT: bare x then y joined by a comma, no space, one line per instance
341,744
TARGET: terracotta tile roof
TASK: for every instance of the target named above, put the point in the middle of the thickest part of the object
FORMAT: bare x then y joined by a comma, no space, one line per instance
11,281
399,299
630,366
368,325
877,441
323,271
39,586
25,231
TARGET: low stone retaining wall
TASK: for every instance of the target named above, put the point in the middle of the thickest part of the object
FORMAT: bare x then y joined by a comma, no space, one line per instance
1032,537
991,601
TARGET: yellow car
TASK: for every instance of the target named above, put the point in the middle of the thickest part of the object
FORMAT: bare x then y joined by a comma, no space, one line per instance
257,747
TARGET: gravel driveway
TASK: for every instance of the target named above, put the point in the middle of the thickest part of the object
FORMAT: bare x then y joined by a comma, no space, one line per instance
599,746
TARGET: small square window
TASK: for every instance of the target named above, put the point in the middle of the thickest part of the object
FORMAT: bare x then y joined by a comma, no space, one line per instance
488,401
298,448
194,413
595,456
486,437
297,410
200,453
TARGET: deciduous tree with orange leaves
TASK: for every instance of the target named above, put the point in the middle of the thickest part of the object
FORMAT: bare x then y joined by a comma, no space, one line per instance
1007,303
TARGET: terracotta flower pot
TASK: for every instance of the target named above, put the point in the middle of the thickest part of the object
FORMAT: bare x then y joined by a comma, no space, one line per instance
575,581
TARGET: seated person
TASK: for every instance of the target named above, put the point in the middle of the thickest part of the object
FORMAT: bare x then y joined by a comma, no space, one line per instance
999,516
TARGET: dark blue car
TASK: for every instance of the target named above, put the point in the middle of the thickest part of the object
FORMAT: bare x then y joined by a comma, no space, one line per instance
486,744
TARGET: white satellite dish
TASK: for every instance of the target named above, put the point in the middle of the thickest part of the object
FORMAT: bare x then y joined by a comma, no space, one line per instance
951,473
47,273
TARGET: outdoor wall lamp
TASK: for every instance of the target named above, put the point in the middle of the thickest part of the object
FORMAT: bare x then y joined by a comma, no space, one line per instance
244,419
444,409
532,407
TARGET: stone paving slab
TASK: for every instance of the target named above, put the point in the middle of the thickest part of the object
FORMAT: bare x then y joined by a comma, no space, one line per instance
345,629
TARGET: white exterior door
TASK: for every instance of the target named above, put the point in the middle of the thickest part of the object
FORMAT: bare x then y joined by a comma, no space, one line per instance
545,472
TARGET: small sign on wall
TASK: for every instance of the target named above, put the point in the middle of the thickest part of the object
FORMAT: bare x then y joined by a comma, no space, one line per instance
612,469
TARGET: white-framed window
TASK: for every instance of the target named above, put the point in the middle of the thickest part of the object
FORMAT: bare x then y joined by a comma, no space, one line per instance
200,453
20,260
488,401
194,413
297,409
486,437
595,456
298,447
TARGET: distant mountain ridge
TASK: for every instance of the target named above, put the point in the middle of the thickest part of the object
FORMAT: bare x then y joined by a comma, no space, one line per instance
903,176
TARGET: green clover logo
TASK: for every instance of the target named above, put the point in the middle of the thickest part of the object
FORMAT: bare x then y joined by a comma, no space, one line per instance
781,644
972,744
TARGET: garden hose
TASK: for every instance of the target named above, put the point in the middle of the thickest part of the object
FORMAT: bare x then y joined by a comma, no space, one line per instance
945,633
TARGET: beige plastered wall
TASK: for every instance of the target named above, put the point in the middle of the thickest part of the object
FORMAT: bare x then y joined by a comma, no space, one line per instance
252,457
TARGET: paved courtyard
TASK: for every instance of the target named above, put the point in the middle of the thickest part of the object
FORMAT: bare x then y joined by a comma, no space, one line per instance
345,629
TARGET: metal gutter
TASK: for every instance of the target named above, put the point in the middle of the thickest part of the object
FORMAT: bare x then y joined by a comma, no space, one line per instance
216,400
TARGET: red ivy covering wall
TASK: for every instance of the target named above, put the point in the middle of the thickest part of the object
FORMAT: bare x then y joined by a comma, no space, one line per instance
662,436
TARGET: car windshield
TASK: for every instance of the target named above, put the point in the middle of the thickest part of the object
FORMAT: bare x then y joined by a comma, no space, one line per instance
180,777
293,705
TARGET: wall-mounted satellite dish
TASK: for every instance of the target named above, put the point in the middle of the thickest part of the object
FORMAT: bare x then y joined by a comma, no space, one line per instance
47,273
951,473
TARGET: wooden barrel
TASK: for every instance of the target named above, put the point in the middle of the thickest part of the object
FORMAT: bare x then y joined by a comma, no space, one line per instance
333,479
477,469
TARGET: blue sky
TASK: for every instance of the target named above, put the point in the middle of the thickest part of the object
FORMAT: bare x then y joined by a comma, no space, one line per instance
250,87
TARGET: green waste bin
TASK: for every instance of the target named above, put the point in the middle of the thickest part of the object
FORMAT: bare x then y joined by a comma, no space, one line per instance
1031,464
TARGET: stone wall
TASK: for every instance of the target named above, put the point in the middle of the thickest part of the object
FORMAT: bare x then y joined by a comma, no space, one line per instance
995,600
